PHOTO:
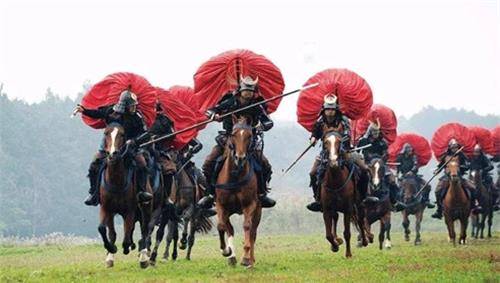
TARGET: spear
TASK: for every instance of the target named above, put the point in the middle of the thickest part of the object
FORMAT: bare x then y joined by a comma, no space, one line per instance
227,114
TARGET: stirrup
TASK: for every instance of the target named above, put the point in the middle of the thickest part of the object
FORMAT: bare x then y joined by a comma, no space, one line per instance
92,200
144,196
437,215
266,202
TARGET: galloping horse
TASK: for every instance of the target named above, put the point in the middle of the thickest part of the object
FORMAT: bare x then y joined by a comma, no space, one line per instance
486,203
187,194
117,191
237,192
414,206
381,211
339,193
456,205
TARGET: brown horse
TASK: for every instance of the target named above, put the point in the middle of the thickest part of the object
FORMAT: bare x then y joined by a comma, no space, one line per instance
117,192
410,185
237,193
456,205
486,203
339,193
381,211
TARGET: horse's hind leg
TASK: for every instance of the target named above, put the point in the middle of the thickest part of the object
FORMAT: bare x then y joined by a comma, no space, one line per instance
172,237
104,218
381,234
347,234
339,240
388,244
185,229
110,258
255,222
159,236
418,221
482,224
190,239
490,222
406,226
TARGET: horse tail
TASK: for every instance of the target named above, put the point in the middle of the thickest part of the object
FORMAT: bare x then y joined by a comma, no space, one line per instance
204,224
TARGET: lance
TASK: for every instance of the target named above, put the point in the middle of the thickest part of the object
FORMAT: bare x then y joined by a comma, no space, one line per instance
298,158
227,114
361,147
438,171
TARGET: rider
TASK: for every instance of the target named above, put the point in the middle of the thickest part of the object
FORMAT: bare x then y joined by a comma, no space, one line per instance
244,95
124,113
442,185
479,161
378,149
408,166
330,116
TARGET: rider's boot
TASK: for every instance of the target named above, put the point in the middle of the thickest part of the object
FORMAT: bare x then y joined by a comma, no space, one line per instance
93,197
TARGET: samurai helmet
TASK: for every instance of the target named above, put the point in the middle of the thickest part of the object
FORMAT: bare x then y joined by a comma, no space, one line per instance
330,102
127,99
407,148
477,148
453,142
374,128
247,83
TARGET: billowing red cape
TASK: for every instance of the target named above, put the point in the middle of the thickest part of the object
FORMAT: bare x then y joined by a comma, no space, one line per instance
446,132
185,94
180,114
495,134
484,139
220,74
388,123
107,92
420,145
353,93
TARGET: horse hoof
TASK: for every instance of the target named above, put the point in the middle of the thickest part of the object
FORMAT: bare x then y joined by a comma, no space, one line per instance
144,264
407,238
231,261
246,262
182,246
348,256
188,258
359,244
340,241
418,243
132,246
227,252
365,243
152,262
109,263
335,248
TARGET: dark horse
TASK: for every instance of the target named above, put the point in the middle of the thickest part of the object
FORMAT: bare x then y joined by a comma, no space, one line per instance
339,193
237,193
410,185
486,203
117,192
381,211
185,195
456,205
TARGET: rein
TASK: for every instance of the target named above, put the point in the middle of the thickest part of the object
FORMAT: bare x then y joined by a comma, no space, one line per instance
349,177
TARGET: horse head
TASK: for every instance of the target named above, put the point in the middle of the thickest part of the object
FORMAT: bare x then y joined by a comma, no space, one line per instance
240,140
332,145
453,168
377,172
409,186
115,139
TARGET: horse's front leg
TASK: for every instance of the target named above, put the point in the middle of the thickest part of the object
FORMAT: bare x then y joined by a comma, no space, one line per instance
490,222
463,230
160,232
190,238
451,230
329,234
248,216
482,224
104,218
185,229
418,221
381,234
225,227
146,212
388,244
255,222
110,258
335,216
347,234
406,225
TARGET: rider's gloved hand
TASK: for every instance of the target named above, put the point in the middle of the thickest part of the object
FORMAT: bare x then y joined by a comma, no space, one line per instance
313,141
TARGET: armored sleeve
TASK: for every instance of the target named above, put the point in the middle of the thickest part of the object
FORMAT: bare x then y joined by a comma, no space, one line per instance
99,113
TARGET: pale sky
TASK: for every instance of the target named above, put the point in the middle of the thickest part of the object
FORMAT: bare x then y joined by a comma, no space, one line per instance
412,53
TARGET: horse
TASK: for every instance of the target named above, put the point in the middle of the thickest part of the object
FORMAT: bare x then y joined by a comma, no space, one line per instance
117,192
339,192
456,205
237,192
486,203
410,185
187,193
380,211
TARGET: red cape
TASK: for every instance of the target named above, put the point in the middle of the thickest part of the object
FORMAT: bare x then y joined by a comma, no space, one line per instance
484,139
420,145
353,92
220,75
107,92
388,123
446,132
495,134
185,94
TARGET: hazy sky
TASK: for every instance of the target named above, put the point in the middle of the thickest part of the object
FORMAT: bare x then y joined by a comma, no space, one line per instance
412,53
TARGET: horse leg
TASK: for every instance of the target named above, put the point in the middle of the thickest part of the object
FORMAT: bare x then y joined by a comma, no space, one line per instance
170,236
418,221
360,218
335,236
490,222
190,238
159,236
143,242
463,230
388,244
328,219
255,222
110,258
226,246
347,234
104,218
451,230
248,215
406,226
482,224
381,234
185,228
173,237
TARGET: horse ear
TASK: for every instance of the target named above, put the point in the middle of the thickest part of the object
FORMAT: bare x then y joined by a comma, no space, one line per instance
235,119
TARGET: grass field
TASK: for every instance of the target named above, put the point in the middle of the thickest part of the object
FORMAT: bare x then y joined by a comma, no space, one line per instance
279,258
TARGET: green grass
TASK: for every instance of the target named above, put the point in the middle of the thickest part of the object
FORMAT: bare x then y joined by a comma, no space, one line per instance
279,258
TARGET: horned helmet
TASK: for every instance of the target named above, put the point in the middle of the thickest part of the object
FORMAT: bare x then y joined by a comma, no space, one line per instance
247,86
453,145
374,128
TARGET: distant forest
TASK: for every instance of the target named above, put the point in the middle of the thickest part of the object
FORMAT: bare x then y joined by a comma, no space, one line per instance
44,156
